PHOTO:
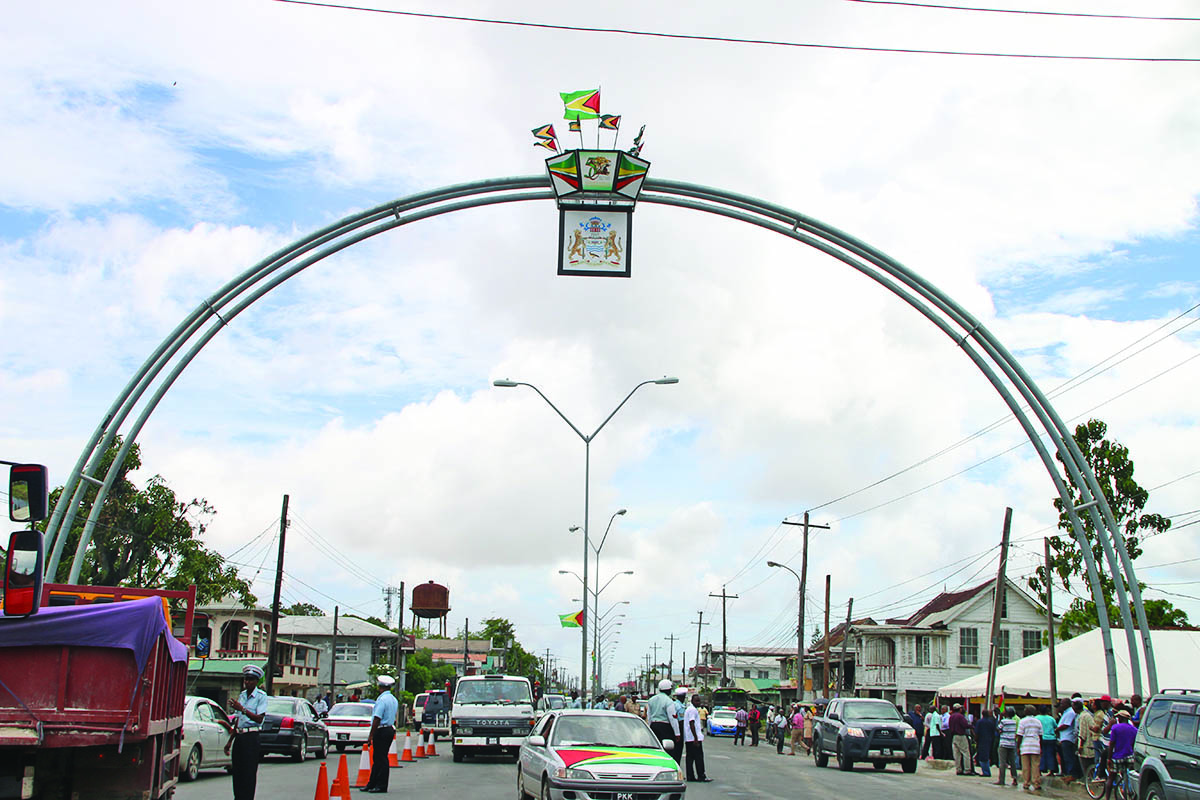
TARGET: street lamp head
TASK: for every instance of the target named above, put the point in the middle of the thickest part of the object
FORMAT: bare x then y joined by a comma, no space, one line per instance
572,529
505,384
621,512
663,381
627,572
772,564
564,572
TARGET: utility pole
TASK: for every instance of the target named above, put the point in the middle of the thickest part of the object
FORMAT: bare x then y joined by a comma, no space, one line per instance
825,677
466,649
998,593
724,637
671,657
271,656
845,641
401,659
699,627
333,658
1050,628
803,590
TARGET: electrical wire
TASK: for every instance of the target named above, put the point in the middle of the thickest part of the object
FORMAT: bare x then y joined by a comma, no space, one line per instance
735,40
1077,14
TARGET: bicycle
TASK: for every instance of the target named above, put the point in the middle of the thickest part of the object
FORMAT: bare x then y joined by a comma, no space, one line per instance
1096,781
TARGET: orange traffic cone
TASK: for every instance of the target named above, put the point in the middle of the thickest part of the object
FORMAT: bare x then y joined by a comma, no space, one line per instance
407,755
322,784
420,751
341,784
364,767
431,750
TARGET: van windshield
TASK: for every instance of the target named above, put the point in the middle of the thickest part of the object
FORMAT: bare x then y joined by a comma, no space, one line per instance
493,693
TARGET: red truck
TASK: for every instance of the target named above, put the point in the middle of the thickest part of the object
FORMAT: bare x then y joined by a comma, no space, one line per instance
91,693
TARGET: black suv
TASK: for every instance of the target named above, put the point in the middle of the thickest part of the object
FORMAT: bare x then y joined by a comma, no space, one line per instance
1166,752
860,729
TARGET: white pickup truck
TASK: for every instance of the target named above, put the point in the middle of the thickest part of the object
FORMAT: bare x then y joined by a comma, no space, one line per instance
491,714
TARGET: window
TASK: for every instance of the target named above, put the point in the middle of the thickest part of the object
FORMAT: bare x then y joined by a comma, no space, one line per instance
347,651
923,651
1154,721
762,673
968,646
1184,729
1003,602
1002,651
204,712
1031,642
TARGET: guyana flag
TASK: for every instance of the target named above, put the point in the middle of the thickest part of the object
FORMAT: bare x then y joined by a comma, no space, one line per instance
544,132
549,144
572,620
609,122
581,105
573,125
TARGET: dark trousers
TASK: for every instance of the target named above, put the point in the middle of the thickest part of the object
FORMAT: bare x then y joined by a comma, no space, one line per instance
695,761
1070,764
780,735
739,735
1049,761
928,740
245,765
381,742
665,733
754,734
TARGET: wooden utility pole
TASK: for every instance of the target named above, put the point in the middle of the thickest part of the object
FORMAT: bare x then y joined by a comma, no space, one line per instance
671,657
1050,629
466,649
271,656
845,641
825,676
998,593
402,660
699,627
803,590
333,658
724,636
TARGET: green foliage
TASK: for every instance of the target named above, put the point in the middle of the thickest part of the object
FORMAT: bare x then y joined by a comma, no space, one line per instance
518,661
373,672
302,610
1081,616
148,537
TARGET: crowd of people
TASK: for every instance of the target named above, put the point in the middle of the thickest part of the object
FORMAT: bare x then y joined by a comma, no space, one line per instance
1036,741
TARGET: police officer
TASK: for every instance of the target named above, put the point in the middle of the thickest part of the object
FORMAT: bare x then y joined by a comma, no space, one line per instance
383,731
250,708
662,715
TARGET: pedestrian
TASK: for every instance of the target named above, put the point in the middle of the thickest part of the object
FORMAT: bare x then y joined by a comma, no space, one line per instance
768,724
916,721
681,707
661,714
1135,708
383,732
985,737
1121,734
933,729
1102,721
1086,736
321,707
704,716
946,739
779,724
1029,743
631,706
575,701
693,737
742,719
754,722
958,727
797,728
1008,758
249,710
810,716
1068,741
1049,762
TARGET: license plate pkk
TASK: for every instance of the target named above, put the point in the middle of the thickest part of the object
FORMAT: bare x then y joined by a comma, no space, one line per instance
626,796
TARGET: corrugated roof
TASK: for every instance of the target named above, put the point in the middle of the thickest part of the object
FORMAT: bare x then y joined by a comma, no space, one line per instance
943,602
223,666
323,626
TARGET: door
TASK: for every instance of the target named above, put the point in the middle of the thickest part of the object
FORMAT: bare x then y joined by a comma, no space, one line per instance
539,759
1183,754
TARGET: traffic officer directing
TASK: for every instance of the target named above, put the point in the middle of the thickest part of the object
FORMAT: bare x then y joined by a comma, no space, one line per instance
661,713
250,708
383,731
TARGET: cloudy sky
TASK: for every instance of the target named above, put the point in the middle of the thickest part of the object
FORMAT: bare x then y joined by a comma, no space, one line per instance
153,151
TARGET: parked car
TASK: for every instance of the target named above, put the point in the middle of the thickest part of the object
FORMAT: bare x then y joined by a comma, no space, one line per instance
418,704
435,716
722,722
349,724
205,732
291,727
551,702
577,753
1166,751
861,729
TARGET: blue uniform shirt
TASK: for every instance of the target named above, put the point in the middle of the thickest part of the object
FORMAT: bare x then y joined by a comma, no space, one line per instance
386,707
255,703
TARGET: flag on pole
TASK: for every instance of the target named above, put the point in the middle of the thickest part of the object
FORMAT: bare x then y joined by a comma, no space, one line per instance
549,144
573,125
581,105
544,132
637,140
572,620
610,122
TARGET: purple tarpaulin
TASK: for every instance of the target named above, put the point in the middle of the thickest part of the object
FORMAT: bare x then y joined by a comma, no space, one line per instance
130,624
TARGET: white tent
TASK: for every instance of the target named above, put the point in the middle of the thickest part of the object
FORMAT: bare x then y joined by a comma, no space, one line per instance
1080,667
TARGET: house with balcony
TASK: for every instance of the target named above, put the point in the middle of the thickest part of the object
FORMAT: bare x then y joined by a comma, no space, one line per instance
905,660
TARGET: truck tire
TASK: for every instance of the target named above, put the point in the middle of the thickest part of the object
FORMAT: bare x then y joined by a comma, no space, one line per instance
191,769
819,755
844,764
879,765
909,765
456,754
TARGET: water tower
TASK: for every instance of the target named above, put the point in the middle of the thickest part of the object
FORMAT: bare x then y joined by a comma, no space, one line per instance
431,601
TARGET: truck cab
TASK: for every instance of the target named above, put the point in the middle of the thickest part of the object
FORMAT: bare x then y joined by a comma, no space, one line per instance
491,714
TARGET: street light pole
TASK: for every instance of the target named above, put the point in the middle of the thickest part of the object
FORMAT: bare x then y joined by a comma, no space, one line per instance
799,633
587,465
596,598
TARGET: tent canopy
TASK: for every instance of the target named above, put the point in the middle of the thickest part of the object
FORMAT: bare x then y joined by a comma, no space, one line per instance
1080,666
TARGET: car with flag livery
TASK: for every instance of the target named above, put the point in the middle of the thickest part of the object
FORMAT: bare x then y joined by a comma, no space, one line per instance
583,754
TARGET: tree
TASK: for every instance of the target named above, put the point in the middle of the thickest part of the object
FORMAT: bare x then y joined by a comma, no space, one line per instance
1113,468
302,610
148,537
421,673
1081,616
517,660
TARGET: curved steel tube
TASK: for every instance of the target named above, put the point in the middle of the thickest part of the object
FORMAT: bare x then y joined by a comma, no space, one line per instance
923,296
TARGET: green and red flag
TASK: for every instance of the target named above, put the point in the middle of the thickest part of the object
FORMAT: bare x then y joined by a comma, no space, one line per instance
544,132
581,105
610,122
573,125
574,620
549,144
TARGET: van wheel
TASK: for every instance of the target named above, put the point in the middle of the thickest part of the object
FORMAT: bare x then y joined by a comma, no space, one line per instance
456,754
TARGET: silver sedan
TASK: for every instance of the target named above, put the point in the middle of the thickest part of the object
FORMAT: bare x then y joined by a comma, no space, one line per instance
205,732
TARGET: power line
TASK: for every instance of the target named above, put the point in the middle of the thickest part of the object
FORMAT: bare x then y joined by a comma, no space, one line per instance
1026,11
735,40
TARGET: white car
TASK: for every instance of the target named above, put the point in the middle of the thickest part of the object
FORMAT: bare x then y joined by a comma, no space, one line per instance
349,724
205,732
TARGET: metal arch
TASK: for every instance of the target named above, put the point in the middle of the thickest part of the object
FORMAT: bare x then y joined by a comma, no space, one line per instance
948,316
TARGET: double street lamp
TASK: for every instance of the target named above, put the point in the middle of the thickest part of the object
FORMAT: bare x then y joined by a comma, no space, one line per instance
587,443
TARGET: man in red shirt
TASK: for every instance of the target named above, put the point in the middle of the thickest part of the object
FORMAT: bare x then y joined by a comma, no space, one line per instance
958,730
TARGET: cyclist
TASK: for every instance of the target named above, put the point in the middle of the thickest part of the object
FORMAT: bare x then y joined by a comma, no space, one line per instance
1121,735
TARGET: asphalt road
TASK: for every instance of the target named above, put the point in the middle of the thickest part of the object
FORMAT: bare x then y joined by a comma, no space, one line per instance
737,772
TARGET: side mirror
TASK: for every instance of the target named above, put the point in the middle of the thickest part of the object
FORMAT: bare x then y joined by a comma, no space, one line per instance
28,496
668,744
537,741
23,574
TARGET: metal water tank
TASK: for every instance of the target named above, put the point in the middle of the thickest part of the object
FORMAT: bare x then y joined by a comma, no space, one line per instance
430,600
